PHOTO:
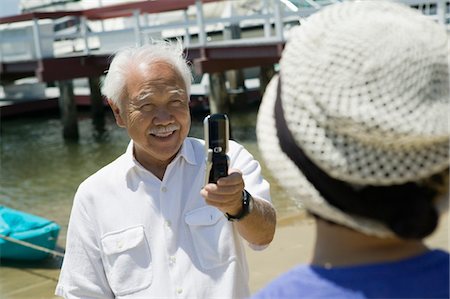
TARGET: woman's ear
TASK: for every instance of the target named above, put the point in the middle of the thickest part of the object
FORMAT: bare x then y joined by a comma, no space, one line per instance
116,110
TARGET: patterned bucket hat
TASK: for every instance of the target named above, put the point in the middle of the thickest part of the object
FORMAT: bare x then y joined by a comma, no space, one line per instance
363,96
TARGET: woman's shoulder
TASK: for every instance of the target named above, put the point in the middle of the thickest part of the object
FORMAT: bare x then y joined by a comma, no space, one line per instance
303,282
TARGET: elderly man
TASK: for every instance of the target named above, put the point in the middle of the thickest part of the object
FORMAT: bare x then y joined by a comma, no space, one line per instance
145,225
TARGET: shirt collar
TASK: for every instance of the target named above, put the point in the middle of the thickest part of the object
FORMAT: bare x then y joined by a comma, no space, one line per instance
186,152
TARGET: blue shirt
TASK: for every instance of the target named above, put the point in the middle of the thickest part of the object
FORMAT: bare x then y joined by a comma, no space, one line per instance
424,276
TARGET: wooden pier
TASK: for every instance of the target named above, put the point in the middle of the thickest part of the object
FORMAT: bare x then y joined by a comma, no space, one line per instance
222,47
214,58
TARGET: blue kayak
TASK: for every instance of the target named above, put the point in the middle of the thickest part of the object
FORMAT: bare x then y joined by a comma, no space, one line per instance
27,228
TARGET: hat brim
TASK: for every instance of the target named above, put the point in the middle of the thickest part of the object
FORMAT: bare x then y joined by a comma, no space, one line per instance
291,178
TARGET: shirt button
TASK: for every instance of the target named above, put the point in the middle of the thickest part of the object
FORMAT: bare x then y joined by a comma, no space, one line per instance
167,223
179,291
164,189
119,244
172,260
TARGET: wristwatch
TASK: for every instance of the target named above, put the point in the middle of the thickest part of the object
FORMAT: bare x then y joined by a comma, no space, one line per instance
247,206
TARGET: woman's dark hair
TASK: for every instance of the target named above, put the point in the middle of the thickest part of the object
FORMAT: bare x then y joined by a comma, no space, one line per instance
409,210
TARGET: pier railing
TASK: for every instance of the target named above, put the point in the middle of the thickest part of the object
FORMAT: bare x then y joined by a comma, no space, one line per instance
102,30
199,23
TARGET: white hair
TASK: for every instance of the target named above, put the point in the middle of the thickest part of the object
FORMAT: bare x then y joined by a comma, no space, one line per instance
114,84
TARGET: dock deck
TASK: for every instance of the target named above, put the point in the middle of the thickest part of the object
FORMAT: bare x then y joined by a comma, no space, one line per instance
38,280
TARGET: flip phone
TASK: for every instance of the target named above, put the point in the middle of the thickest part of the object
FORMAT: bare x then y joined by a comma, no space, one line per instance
217,133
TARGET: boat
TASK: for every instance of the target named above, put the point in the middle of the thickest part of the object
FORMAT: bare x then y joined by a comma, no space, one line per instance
24,236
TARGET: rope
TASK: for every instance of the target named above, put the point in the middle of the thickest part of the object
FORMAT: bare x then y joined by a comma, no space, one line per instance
30,245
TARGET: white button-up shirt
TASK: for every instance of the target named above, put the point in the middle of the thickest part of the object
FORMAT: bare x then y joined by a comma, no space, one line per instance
132,235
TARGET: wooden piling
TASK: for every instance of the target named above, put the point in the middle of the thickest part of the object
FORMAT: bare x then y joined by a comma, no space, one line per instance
235,78
218,96
68,110
97,107
266,73
236,92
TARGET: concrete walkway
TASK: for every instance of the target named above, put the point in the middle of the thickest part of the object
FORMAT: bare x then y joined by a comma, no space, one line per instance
292,245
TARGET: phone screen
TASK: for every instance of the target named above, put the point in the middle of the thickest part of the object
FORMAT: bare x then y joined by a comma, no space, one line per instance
216,128
218,135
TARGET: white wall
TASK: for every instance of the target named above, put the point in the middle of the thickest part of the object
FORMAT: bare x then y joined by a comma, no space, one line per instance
9,8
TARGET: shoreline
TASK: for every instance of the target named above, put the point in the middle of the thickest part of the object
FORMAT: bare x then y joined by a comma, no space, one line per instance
292,245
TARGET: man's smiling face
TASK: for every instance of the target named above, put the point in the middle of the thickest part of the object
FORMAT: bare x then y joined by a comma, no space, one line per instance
155,112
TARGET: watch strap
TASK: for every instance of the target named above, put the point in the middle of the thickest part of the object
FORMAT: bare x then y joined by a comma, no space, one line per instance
246,202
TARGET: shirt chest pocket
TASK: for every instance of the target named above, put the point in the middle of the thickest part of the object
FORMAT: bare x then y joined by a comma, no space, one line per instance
127,260
212,236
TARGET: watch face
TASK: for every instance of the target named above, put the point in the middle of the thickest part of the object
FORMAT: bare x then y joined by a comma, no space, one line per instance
248,200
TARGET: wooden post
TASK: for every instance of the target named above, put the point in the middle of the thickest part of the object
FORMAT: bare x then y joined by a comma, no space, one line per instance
266,73
200,23
68,110
267,25
441,11
187,34
137,27
84,35
236,93
97,107
218,97
235,77
278,14
37,39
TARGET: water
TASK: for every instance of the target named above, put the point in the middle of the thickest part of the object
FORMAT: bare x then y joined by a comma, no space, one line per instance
40,172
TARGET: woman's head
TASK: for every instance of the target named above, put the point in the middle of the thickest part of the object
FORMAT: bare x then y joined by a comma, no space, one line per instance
360,104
